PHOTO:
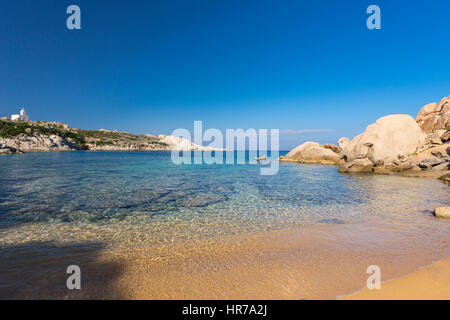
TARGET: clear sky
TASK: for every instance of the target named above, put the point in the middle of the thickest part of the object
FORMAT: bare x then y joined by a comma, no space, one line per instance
154,66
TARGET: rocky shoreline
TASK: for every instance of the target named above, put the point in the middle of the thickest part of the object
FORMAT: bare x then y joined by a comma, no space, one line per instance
394,144
30,136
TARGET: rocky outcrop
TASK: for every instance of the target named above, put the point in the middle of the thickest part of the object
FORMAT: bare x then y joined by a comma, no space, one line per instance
39,142
332,147
178,143
394,144
388,142
430,163
312,152
5,149
18,136
445,137
343,142
434,138
358,165
126,146
436,158
434,116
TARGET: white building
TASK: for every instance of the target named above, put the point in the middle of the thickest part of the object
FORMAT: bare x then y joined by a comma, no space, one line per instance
22,116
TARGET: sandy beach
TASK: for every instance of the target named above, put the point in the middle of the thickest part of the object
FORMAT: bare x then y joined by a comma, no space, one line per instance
431,282
154,230
317,263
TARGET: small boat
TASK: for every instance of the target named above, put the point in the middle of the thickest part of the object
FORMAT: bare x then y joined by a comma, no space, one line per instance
261,159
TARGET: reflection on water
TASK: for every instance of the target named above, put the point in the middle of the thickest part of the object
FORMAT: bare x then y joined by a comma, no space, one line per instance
128,199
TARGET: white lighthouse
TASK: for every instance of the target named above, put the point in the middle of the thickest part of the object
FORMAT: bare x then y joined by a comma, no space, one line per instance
22,116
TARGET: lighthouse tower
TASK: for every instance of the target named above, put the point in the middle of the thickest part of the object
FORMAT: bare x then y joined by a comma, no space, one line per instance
24,115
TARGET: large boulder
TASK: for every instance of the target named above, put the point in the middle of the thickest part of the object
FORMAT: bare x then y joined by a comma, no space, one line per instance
343,142
434,116
389,140
296,153
312,152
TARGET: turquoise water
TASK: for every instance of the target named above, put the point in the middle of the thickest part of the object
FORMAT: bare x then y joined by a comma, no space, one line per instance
139,198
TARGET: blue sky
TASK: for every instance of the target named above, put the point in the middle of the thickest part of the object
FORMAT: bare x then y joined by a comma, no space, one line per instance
154,66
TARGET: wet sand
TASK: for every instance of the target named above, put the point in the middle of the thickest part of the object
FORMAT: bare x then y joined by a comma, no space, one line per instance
431,282
322,262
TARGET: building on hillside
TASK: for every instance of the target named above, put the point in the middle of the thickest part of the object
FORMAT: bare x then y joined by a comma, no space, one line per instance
22,116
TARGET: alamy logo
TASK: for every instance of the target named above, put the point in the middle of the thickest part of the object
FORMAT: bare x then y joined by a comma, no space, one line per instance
374,21
239,147
73,281
374,281
73,22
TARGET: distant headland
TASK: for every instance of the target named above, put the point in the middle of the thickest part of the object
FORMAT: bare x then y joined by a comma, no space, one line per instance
18,134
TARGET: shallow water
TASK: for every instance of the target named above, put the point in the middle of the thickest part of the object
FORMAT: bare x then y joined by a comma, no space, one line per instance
65,206
138,198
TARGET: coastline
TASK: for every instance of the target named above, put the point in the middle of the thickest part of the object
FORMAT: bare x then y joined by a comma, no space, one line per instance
19,136
302,262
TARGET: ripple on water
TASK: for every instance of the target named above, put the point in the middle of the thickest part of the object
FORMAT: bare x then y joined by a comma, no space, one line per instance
132,199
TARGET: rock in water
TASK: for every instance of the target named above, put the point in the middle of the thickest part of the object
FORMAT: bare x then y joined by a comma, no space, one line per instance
442,212
5,149
312,152
297,152
434,116
386,141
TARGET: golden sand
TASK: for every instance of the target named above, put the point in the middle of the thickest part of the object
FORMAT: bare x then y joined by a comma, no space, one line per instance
316,263
432,282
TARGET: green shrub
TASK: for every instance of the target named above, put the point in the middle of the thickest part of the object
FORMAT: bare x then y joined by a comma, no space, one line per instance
9,129
160,143
104,143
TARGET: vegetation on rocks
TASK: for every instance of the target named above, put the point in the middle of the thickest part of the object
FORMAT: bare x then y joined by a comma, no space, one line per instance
45,136
108,138
12,129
